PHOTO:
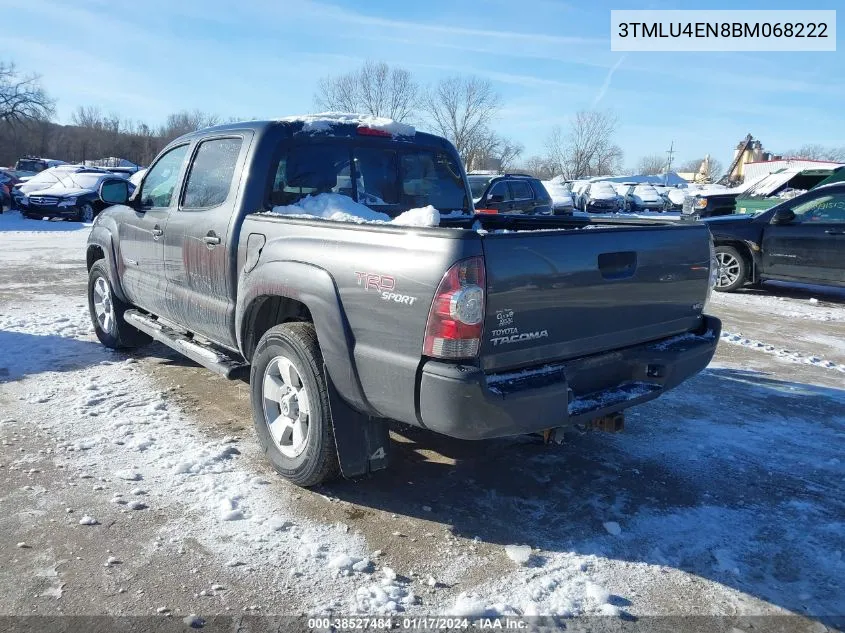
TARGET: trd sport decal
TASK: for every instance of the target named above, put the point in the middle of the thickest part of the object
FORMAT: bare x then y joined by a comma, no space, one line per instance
385,285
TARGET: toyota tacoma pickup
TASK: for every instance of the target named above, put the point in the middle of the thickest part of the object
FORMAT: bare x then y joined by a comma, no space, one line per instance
339,262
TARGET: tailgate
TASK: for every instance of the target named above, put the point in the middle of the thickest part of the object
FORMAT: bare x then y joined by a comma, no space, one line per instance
557,295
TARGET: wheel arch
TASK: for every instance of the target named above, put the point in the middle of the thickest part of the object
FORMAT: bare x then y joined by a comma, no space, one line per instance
280,292
100,246
748,250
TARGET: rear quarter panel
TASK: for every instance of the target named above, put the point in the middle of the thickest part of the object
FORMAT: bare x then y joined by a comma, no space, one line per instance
385,279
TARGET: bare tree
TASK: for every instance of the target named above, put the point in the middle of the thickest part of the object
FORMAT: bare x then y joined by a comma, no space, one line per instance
87,117
185,122
375,89
22,98
539,167
587,149
651,165
488,150
815,151
461,109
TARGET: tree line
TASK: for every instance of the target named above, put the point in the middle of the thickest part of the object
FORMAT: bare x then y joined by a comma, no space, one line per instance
462,108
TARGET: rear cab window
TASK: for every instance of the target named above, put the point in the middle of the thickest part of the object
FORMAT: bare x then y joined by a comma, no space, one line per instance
391,177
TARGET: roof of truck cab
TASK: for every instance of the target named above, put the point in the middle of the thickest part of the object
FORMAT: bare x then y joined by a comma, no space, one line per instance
338,128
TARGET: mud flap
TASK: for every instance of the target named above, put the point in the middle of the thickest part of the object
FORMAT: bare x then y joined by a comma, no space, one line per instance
363,443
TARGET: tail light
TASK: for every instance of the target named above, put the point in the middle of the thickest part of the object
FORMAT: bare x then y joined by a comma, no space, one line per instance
369,131
487,211
456,317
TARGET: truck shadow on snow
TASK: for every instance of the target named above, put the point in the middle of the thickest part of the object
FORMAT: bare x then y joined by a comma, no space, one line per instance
802,292
24,354
13,221
735,477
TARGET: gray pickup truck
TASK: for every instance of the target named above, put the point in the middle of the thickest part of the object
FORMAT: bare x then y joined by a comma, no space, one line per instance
482,326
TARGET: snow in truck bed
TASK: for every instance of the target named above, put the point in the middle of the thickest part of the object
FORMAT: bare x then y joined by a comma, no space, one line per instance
340,208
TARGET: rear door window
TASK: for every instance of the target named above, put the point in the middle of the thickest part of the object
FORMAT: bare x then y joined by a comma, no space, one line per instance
500,189
210,178
521,190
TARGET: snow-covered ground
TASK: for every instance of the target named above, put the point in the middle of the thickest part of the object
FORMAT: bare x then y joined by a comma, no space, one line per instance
132,484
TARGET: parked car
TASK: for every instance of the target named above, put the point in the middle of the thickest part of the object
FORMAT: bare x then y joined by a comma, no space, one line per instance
600,197
709,202
514,193
562,201
673,197
75,196
44,180
801,240
463,328
642,197
36,164
577,187
8,179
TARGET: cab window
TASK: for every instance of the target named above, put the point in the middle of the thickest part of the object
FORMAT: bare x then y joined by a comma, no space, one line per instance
160,180
824,209
500,189
210,177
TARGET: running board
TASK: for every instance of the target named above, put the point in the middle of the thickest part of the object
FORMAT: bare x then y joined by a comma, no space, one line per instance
205,355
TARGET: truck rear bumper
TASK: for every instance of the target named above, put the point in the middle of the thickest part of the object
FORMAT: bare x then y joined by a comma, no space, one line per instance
464,402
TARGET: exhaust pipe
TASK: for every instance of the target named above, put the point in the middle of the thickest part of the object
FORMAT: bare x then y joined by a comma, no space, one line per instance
613,423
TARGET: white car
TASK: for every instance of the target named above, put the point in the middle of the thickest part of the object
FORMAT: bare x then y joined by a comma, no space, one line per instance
563,201
643,197
600,197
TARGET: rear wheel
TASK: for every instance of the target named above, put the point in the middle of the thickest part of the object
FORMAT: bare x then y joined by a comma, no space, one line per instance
290,405
107,310
733,269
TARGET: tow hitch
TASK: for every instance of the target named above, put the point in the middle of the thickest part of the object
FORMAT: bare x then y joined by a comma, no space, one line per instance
613,423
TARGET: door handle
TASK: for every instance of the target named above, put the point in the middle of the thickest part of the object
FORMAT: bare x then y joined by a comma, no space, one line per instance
157,232
211,239
835,232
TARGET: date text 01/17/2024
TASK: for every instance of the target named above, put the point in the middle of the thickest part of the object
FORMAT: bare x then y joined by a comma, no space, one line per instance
418,623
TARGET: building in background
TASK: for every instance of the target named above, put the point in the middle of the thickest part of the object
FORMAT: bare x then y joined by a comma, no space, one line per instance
758,169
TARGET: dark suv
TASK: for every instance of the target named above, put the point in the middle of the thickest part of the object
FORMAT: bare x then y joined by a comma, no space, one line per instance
510,193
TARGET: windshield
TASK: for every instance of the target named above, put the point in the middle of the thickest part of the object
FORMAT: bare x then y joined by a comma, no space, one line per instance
602,189
46,178
477,184
84,180
389,179
30,165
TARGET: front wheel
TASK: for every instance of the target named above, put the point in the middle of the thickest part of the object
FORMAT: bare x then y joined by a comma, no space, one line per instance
733,269
85,213
290,405
107,312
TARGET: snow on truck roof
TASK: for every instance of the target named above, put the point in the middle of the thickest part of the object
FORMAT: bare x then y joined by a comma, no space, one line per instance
323,122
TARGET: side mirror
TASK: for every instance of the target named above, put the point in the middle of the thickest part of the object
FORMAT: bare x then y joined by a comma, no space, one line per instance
114,191
496,199
783,216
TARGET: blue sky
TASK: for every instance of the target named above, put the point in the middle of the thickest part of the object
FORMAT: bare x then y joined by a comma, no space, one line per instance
547,59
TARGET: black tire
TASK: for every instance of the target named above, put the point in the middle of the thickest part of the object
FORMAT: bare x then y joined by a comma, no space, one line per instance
317,462
733,273
114,333
85,213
